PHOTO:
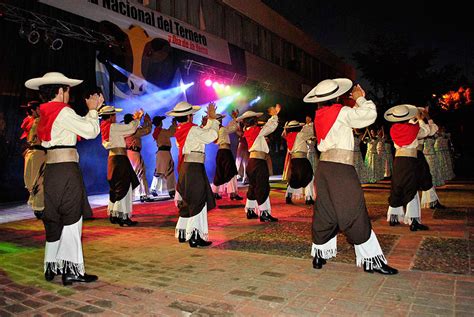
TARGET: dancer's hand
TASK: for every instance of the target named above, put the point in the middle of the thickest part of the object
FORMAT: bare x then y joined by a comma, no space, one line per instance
273,111
211,110
137,115
94,101
234,114
357,92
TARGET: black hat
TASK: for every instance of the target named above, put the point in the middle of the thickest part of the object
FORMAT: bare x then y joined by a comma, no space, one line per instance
127,118
158,119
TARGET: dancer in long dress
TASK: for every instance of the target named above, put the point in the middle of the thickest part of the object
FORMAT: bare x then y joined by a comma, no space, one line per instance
242,156
373,160
359,163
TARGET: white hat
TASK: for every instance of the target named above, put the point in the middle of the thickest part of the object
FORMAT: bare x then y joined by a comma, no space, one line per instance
249,114
401,113
183,109
328,89
51,78
293,124
107,110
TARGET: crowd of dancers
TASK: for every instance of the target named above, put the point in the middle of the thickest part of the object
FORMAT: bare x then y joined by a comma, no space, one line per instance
324,165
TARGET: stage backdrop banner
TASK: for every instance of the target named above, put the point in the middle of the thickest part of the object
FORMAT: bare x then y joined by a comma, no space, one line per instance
125,13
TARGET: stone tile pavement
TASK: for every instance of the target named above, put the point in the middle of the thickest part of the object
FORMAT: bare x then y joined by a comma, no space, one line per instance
144,271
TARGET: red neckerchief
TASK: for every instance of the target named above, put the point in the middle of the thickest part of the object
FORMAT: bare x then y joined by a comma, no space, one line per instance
181,134
26,126
251,134
105,130
48,113
324,120
290,140
156,132
404,133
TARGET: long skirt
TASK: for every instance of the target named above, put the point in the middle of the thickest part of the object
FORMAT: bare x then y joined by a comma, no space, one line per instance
259,187
33,177
301,173
225,167
404,183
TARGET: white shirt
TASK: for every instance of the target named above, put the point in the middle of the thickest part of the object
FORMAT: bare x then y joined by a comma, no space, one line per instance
118,132
301,145
260,143
198,137
340,136
68,125
224,132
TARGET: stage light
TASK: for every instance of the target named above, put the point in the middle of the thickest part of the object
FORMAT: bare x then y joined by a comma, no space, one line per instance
208,82
215,85
227,87
56,44
254,101
34,37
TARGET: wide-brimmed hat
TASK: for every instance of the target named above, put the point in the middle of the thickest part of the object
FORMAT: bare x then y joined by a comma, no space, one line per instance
293,124
52,78
220,116
183,108
158,119
108,110
249,114
401,113
328,89
31,104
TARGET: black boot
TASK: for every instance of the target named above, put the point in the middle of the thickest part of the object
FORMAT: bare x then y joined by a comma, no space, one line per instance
266,217
318,262
251,214
288,199
383,269
235,196
197,241
113,219
172,194
127,222
415,225
394,220
154,193
182,236
70,277
49,274
217,196
309,201
38,214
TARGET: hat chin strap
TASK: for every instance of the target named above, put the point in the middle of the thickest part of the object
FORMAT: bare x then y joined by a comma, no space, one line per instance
326,94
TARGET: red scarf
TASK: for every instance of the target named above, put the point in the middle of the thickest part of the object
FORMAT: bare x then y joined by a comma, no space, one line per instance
324,120
290,140
181,134
105,130
156,132
404,133
26,126
48,113
251,134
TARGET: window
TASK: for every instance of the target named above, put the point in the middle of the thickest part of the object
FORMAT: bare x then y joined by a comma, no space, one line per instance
233,27
181,10
276,49
166,6
213,17
264,44
193,12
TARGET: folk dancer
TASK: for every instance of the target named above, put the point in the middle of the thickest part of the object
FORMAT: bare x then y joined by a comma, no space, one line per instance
242,156
226,171
301,176
35,157
164,179
134,147
340,202
407,129
120,174
258,194
65,198
193,189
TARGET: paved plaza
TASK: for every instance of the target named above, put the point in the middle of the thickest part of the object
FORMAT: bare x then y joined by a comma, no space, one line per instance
144,271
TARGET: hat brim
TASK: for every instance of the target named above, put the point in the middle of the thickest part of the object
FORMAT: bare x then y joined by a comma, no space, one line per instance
294,126
344,85
35,83
390,117
110,112
172,113
245,116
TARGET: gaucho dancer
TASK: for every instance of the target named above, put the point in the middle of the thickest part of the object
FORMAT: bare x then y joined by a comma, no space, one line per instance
65,198
258,194
120,174
193,189
340,202
408,169
301,176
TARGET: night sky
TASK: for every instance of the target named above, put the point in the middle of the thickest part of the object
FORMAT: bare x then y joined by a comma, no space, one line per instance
346,27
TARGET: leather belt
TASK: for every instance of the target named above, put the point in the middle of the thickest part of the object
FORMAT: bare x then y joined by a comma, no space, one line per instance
61,155
117,151
338,156
164,148
134,148
299,155
258,155
195,157
225,146
406,152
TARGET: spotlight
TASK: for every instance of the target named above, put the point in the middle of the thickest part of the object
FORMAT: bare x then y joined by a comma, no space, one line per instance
215,85
208,82
56,44
34,37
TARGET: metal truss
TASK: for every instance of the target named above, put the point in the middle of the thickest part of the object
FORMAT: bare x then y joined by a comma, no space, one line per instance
53,26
